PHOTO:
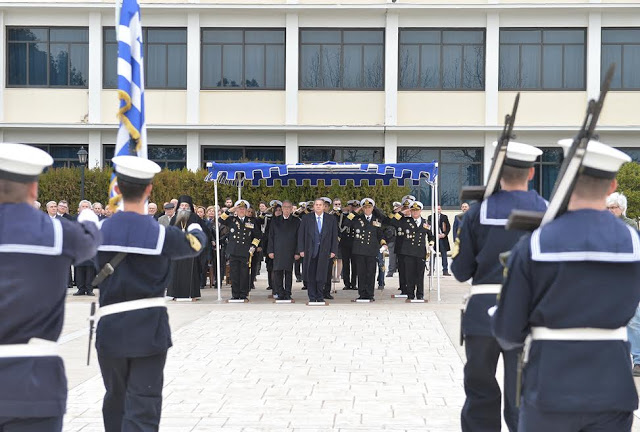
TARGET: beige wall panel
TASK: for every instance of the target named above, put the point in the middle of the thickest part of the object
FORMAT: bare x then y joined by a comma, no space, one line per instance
242,138
428,18
50,17
545,108
43,136
621,109
242,19
163,137
165,106
45,105
544,18
357,18
109,106
441,108
628,18
340,139
341,108
440,139
242,107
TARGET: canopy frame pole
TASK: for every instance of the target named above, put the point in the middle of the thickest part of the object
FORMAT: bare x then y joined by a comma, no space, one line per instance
238,176
432,256
435,197
218,276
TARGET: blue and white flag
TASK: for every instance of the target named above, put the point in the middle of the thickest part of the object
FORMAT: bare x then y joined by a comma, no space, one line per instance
132,134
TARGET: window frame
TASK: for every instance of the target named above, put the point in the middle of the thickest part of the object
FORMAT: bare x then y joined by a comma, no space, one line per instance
48,85
243,45
441,45
106,162
541,69
145,38
541,164
244,153
619,67
68,162
440,164
341,45
626,149
342,149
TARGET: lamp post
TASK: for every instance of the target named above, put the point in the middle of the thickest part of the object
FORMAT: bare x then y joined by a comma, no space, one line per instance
82,158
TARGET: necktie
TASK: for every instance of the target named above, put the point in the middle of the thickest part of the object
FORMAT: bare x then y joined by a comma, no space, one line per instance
319,224
368,218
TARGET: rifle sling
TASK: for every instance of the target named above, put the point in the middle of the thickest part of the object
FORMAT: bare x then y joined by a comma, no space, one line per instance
108,268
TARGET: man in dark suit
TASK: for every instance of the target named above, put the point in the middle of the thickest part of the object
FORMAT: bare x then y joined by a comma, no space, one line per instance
441,229
281,249
317,243
457,221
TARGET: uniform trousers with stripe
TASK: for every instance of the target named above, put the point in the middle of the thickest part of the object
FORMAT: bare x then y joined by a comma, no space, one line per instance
366,266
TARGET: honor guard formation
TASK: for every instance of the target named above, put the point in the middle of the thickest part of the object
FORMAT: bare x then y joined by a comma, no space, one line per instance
552,284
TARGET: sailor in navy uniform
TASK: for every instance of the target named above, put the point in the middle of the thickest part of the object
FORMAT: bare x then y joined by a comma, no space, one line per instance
394,219
417,236
347,236
133,335
244,238
33,385
476,252
369,239
570,289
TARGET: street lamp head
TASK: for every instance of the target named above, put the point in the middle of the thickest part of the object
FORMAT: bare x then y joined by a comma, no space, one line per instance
82,156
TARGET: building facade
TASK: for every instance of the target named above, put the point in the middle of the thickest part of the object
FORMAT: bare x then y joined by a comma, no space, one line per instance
309,81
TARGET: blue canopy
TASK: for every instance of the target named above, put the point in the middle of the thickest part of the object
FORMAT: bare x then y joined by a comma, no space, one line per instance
252,173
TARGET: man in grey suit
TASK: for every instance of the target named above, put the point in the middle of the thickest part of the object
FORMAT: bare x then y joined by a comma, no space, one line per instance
317,243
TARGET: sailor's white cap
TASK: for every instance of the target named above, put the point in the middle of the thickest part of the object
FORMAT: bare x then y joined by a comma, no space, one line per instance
135,169
367,202
521,155
407,197
416,205
22,163
327,200
601,160
277,203
242,203
397,204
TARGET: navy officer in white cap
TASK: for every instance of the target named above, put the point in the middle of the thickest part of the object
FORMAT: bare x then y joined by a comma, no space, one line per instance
33,385
479,242
133,335
570,289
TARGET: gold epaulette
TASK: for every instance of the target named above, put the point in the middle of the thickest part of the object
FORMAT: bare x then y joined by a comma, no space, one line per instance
383,242
255,242
351,216
224,216
398,216
195,243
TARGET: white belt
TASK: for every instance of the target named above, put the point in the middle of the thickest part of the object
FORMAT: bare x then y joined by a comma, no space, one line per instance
573,334
129,306
35,348
485,289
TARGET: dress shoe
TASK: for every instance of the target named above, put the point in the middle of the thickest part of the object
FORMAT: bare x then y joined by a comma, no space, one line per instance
419,298
372,299
389,274
78,293
298,280
329,297
345,288
380,287
636,370
304,288
90,293
446,273
269,288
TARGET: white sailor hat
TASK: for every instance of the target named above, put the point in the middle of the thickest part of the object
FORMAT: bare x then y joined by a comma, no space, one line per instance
242,203
601,160
135,169
22,163
416,205
302,204
407,197
355,203
520,155
397,204
367,202
327,200
276,203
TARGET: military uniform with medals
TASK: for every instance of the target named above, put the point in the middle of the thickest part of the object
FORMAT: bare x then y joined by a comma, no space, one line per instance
347,235
417,237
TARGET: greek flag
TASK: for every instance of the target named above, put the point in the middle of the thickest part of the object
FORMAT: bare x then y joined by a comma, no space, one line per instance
132,134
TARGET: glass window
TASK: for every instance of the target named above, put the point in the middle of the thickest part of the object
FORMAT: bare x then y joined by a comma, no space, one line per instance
165,58
242,154
243,59
48,57
441,59
634,152
169,157
622,47
457,167
542,59
547,168
64,156
342,59
354,155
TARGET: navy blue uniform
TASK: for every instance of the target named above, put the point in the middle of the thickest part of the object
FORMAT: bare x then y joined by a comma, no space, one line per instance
416,237
481,239
32,306
581,270
132,346
346,236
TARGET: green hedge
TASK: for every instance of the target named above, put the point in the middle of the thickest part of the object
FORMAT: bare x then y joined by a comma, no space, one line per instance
64,183
629,184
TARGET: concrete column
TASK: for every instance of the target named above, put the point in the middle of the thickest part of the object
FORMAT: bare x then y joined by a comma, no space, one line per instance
95,150
391,70
492,69
193,151
291,80
291,149
193,68
390,147
594,42
95,68
3,64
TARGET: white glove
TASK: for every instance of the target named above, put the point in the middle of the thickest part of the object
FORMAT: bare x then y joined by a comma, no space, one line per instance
492,310
87,215
384,248
194,226
252,249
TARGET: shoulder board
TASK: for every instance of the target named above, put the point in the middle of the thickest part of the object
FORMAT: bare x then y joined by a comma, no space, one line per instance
376,223
224,216
351,216
398,216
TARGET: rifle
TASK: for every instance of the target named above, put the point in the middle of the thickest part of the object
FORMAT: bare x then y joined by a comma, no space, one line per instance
91,322
569,171
479,193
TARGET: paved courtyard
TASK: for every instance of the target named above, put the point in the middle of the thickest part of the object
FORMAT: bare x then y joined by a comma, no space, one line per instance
261,366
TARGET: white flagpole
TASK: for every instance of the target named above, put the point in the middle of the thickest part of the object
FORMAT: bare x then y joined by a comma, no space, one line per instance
218,276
